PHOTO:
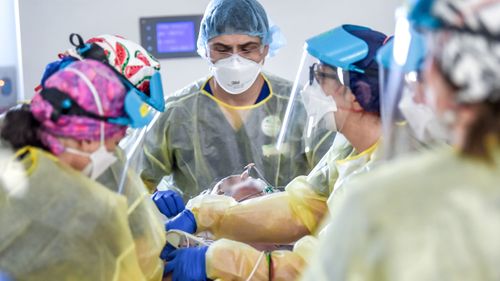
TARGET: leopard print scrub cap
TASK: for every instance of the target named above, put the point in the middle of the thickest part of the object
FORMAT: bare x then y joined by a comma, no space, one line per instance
467,46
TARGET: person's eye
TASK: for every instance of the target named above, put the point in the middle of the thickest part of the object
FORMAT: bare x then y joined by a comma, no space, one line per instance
250,48
221,49
320,75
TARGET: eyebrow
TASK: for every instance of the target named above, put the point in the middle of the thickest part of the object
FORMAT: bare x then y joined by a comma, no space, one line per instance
239,46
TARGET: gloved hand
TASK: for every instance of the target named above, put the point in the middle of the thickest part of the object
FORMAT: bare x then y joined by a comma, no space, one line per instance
184,221
168,202
166,251
5,277
187,264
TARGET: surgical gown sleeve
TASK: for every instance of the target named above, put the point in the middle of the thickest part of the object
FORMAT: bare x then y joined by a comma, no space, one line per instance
158,158
268,219
277,218
231,260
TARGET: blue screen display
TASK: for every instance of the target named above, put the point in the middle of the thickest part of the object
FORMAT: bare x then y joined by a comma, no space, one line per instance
172,37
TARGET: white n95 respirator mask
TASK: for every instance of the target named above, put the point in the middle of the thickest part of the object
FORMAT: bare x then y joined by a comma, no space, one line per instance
319,107
235,74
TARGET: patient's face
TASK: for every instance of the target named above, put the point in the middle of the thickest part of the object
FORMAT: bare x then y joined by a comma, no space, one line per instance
240,187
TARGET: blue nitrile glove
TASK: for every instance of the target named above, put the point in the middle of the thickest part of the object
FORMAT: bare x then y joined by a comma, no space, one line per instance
168,202
166,251
5,277
187,264
184,221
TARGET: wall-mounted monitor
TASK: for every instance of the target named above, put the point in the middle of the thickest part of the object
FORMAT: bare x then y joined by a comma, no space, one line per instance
170,37
8,87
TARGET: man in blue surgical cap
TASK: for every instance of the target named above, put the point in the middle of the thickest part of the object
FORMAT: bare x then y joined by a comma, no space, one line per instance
219,124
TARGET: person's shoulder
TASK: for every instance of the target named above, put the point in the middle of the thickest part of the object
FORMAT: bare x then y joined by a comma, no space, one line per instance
182,102
273,78
406,196
413,164
66,183
422,182
411,174
186,93
280,86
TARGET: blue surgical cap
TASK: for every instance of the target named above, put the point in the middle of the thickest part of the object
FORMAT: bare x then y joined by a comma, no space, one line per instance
246,17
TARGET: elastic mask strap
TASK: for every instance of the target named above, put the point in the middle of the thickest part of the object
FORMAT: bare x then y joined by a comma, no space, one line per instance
97,100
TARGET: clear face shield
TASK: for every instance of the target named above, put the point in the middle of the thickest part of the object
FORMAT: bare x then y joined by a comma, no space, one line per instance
314,102
131,150
409,123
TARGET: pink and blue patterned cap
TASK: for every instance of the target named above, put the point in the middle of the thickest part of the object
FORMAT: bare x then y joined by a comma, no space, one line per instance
74,81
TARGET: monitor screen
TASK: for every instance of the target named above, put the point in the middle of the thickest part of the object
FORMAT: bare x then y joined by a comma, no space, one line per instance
170,37
175,37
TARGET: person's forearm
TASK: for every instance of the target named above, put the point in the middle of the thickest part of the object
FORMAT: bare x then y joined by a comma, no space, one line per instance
267,219
231,260
277,218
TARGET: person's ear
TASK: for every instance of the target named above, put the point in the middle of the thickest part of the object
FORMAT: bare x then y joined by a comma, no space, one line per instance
113,142
266,50
352,101
265,53
207,57
467,114
356,106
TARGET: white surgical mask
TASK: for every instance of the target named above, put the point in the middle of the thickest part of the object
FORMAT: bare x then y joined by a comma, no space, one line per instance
422,120
235,74
319,107
446,118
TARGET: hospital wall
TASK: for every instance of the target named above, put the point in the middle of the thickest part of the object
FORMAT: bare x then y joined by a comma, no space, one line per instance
10,71
46,25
